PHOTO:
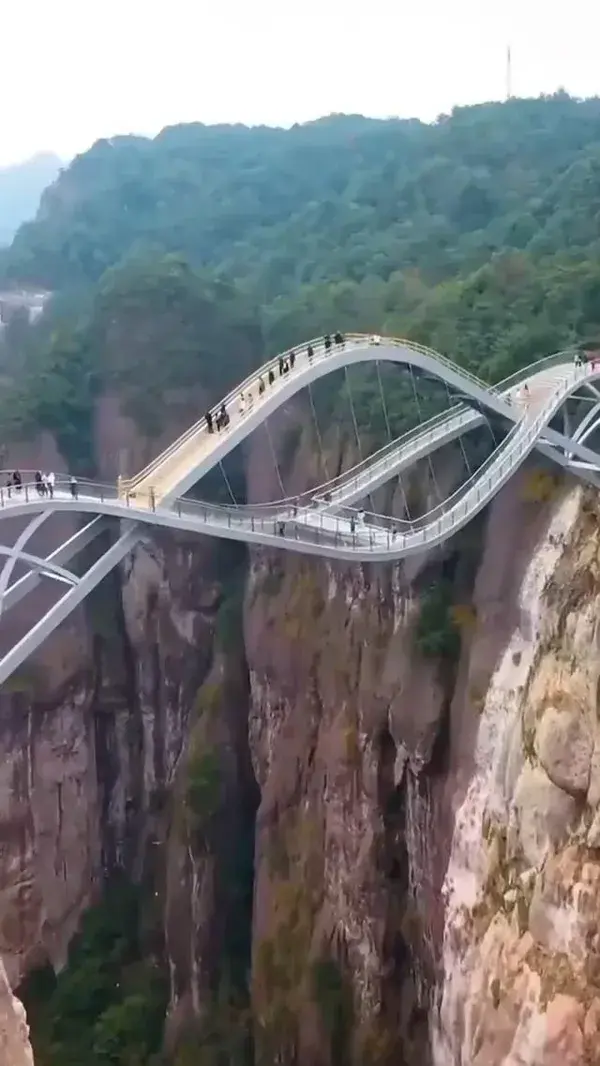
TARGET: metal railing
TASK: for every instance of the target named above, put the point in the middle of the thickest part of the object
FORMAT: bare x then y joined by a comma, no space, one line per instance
351,342
310,526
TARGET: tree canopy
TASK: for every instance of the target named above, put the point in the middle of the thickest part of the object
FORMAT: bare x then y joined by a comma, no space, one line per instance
178,263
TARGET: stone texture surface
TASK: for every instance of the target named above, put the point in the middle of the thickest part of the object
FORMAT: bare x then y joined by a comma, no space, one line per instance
381,774
15,1049
521,945
564,745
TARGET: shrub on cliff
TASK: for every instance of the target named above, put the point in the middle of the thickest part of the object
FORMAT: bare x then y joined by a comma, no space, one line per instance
437,635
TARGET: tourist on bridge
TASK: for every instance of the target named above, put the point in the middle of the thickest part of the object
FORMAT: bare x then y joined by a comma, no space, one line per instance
280,364
17,480
222,417
242,405
339,339
73,487
286,367
271,377
49,480
310,352
327,343
261,386
39,484
292,359
209,422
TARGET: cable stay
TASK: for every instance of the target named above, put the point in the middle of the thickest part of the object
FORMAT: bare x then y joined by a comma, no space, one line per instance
274,457
228,484
355,424
388,430
318,434
421,419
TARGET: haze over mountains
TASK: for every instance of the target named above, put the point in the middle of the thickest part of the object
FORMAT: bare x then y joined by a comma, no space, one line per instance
21,186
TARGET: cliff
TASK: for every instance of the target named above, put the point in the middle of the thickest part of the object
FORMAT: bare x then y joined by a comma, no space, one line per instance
15,1049
363,767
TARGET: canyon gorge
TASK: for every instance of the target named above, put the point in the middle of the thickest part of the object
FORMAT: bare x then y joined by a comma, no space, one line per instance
404,838
258,809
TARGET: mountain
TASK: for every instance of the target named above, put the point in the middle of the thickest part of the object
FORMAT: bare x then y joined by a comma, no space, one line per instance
478,234
21,186
289,756
346,197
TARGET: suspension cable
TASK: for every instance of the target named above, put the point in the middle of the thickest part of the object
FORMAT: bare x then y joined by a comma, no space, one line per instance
460,440
274,456
420,414
318,433
389,436
355,424
353,414
227,482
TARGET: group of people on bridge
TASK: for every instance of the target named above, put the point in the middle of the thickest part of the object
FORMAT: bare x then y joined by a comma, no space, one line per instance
44,483
220,420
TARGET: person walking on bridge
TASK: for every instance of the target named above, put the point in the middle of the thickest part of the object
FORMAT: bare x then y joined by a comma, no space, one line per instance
310,352
39,484
280,365
17,480
209,422
73,487
327,343
339,339
292,359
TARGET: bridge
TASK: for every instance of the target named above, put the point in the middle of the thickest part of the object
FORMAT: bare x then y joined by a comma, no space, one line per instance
552,406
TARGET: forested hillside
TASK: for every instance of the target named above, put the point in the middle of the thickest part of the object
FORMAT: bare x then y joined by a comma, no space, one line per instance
21,186
178,263
479,234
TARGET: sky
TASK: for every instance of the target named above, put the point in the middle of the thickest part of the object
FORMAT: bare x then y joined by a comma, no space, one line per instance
75,70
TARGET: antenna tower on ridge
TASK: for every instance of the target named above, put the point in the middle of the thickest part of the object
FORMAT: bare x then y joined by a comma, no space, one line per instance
508,74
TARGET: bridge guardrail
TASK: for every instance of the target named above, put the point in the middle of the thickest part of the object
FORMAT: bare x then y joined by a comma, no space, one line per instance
482,484
350,339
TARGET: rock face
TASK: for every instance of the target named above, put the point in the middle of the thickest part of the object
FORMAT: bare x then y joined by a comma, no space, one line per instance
381,774
521,946
15,1049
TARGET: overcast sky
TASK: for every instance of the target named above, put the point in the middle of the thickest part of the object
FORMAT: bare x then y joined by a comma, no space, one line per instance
72,70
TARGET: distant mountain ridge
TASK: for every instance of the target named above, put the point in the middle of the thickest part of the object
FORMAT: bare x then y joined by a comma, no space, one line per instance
21,186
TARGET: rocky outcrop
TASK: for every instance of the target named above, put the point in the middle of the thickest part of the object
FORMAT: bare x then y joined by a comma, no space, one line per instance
15,1049
384,770
521,948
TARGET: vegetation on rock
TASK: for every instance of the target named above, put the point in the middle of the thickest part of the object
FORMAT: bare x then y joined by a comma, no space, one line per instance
177,264
106,1008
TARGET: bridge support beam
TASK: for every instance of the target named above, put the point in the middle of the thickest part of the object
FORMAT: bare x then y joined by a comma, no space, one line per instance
73,598
58,557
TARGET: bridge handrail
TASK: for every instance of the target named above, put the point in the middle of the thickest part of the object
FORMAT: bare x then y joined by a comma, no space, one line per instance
482,483
476,493
426,428
271,364
422,431
556,358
